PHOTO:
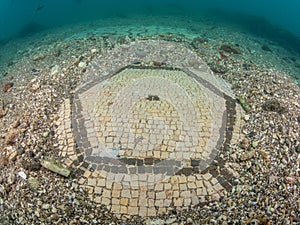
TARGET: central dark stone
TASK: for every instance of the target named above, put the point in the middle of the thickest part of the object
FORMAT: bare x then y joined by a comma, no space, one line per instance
152,98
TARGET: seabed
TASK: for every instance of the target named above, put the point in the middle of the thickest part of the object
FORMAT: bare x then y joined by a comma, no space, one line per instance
194,122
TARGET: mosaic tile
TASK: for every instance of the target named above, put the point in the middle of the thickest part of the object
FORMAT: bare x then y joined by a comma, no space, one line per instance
145,137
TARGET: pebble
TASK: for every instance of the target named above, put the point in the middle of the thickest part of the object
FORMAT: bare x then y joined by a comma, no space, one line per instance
16,123
290,179
11,137
38,57
298,148
35,72
246,117
13,155
244,144
141,53
33,182
216,68
22,174
273,105
82,65
4,160
255,144
3,112
57,52
197,42
230,49
156,221
189,221
2,190
247,155
266,48
55,70
46,134
7,86
272,179
11,179
94,51
46,206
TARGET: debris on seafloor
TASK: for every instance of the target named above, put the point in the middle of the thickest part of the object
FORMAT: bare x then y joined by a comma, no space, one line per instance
273,105
7,86
55,168
244,103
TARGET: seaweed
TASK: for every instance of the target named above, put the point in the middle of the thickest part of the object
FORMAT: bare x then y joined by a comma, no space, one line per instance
244,103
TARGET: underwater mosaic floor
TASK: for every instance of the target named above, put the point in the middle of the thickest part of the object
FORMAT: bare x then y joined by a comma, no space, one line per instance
144,135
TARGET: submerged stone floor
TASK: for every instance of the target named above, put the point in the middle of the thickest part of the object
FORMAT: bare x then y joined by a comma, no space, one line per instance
144,131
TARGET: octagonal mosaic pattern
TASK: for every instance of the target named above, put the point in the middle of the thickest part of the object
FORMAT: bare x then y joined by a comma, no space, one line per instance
145,139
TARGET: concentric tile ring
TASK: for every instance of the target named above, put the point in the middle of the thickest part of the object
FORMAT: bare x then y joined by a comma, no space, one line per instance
150,134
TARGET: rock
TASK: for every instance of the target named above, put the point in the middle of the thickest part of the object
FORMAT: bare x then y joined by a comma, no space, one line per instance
55,168
13,155
46,206
290,179
255,144
157,221
272,179
263,154
57,52
2,190
244,144
189,221
266,48
11,137
82,65
3,112
170,221
16,123
157,64
197,42
33,183
46,134
31,165
35,72
7,86
38,57
246,66
11,179
94,51
246,117
298,148
141,53
247,155
4,160
55,70
153,98
231,49
273,105
263,220
216,68
22,174
150,221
